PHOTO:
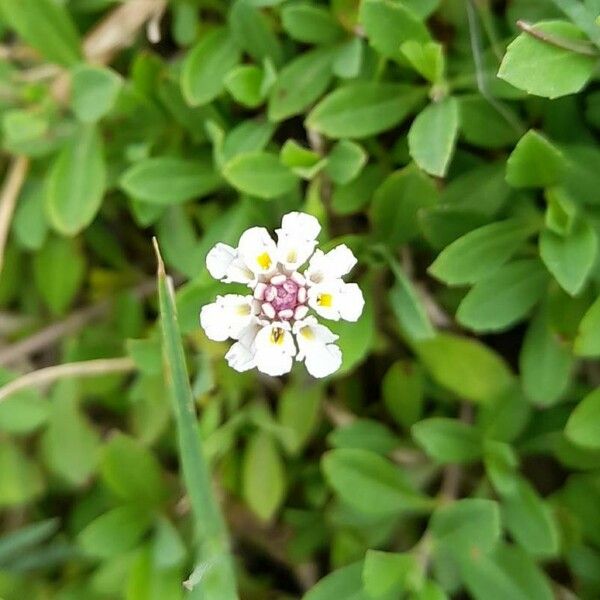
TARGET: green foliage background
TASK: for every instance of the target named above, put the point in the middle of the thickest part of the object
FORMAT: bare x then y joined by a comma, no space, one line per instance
453,145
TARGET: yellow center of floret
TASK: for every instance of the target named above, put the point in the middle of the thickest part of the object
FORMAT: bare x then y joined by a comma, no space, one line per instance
324,300
243,309
277,336
308,333
264,261
292,256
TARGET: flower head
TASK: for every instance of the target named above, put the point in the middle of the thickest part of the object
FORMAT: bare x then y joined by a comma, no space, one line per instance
272,325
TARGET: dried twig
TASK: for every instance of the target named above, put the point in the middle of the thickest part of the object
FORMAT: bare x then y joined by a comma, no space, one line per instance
48,375
73,323
558,41
114,33
13,183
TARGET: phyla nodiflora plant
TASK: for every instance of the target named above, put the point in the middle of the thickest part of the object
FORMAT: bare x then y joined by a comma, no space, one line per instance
273,325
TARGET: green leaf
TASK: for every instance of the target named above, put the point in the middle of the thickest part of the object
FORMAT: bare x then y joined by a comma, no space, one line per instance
501,465
76,183
535,162
252,33
408,307
131,472
448,440
507,573
482,125
206,65
364,434
545,362
115,532
388,24
70,444
466,527
561,213
294,155
21,480
259,174
480,252
397,202
263,476
370,483
215,574
58,270
587,342
504,297
349,58
168,548
26,538
94,92
430,591
427,58
30,224
345,161
432,136
465,366
46,26
244,83
300,83
362,109
248,136
571,258
482,189
530,521
147,355
343,583
349,198
542,68
22,412
403,392
583,426
310,24
169,180
385,572
299,411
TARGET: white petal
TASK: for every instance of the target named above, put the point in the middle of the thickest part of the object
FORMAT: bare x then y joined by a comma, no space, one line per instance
272,362
238,272
301,225
227,317
275,349
323,299
258,251
323,360
336,300
293,251
276,335
314,341
219,259
240,357
333,265
213,323
351,302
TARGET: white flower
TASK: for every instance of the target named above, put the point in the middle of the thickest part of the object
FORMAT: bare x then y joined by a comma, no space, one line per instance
275,348
272,326
333,265
315,343
223,263
227,317
336,300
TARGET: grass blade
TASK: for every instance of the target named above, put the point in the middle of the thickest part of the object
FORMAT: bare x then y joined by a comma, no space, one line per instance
213,576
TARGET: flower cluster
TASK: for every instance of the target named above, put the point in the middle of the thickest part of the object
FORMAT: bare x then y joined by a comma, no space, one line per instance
273,325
